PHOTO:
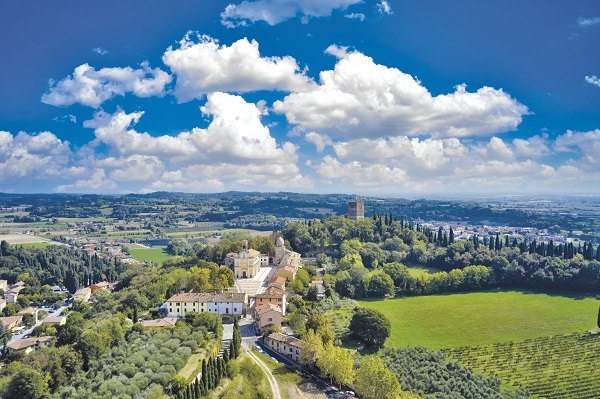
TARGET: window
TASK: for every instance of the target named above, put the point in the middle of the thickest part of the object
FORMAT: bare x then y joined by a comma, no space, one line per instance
234,310
226,310
270,319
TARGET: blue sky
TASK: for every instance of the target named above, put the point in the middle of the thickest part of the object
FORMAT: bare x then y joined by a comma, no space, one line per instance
390,98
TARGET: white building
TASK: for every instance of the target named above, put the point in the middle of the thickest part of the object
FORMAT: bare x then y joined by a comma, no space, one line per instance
247,263
224,304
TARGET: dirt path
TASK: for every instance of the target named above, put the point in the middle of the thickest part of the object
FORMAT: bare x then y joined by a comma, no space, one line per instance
272,381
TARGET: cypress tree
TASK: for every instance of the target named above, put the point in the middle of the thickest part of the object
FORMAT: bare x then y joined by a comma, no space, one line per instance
506,243
497,246
598,252
451,239
135,314
598,321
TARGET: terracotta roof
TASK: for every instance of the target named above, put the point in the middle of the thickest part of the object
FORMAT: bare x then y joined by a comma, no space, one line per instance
288,339
164,322
279,279
267,307
272,292
53,319
205,297
10,320
27,342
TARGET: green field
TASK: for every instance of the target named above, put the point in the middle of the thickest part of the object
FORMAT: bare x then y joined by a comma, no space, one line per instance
34,244
557,367
483,318
419,270
156,255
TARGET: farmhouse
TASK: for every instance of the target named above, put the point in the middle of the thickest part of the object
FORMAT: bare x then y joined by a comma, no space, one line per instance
55,321
28,345
285,345
157,324
224,304
11,322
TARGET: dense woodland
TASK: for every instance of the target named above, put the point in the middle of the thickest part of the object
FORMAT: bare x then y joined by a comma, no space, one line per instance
366,258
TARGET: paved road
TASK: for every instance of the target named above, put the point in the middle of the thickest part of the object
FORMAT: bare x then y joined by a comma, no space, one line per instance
25,333
272,381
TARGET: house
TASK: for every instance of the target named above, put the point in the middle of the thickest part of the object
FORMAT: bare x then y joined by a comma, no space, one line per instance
101,286
166,322
83,295
272,295
13,293
287,272
11,322
268,315
285,345
221,303
2,304
55,321
277,282
27,345
4,285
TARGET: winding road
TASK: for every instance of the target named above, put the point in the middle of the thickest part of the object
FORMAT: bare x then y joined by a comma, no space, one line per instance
263,366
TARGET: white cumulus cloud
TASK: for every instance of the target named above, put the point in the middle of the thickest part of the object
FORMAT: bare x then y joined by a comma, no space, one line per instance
274,12
384,7
360,98
90,87
203,66
593,80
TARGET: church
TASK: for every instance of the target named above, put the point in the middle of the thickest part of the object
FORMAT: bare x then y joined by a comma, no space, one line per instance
247,263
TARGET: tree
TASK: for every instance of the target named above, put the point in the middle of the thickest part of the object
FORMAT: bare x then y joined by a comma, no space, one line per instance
598,322
27,383
311,349
4,248
375,381
369,326
343,373
380,284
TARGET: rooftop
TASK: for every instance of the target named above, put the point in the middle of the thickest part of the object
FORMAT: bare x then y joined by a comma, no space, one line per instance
288,339
267,307
28,342
164,322
208,297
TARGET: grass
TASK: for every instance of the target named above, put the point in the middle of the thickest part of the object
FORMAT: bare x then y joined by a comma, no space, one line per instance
483,318
34,244
156,255
420,270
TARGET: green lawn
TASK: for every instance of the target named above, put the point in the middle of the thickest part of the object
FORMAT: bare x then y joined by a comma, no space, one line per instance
157,255
34,244
483,318
420,270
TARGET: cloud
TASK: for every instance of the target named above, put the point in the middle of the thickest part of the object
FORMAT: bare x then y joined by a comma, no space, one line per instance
586,143
90,87
65,118
100,50
274,12
318,140
403,165
356,15
587,22
593,80
359,98
203,66
235,151
384,7
36,156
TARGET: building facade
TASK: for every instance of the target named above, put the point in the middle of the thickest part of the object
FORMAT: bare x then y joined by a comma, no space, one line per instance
224,304
285,345
247,263
268,315
272,295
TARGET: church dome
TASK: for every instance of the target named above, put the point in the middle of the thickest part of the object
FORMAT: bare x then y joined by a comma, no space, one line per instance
279,242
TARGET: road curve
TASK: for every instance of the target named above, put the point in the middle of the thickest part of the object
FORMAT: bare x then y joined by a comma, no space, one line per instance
263,366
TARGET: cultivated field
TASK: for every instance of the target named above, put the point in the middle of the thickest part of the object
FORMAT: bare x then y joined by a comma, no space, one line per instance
21,238
483,318
557,367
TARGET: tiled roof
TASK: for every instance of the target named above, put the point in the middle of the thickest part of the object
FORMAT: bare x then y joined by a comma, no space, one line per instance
288,339
267,307
164,322
27,342
271,292
205,297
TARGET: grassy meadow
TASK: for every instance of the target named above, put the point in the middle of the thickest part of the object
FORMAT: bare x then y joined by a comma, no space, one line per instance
483,318
156,255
